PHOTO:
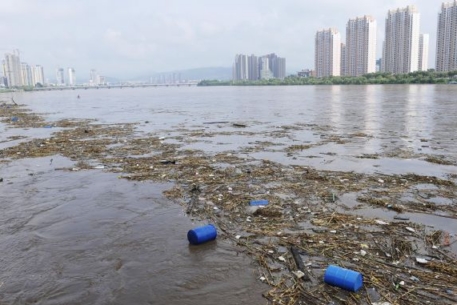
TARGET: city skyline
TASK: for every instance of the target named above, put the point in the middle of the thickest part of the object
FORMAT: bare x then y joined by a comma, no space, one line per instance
180,35
252,67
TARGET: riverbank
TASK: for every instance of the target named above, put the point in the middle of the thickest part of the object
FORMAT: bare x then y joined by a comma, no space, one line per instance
421,77
362,221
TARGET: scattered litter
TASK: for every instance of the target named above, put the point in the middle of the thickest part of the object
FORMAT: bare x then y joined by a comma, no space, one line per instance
401,218
421,260
344,278
299,274
380,222
363,252
282,259
202,234
414,279
410,229
258,202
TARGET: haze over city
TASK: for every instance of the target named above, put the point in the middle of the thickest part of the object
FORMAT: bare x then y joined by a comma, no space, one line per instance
127,40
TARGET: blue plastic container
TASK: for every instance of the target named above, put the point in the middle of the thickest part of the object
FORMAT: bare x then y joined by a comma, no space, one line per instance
343,278
258,202
202,234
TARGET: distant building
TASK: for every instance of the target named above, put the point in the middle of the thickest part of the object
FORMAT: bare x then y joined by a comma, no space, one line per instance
26,74
378,64
401,45
446,40
343,59
360,50
327,58
94,79
423,52
241,67
60,77
265,72
71,77
38,75
12,69
306,73
3,82
254,68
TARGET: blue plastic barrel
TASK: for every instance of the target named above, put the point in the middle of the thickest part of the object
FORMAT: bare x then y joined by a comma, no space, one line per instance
258,202
343,278
202,234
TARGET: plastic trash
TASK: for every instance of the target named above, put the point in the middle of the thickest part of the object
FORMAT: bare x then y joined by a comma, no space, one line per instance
14,119
202,234
344,278
258,202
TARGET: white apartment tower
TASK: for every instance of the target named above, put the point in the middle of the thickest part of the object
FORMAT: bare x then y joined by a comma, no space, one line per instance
60,78
12,69
71,77
26,74
327,57
446,40
423,52
401,45
360,55
37,75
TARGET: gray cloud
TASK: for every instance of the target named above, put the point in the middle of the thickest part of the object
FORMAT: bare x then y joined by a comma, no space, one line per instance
124,39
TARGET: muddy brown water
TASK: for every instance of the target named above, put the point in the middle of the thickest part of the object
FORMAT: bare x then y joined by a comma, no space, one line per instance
87,237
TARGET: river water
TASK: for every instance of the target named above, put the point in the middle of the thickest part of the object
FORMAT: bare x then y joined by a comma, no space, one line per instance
88,237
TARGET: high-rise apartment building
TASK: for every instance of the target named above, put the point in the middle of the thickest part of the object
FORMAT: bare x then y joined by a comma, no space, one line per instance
254,68
71,77
241,67
423,52
12,69
327,58
446,40
37,75
343,59
26,74
401,45
60,77
360,51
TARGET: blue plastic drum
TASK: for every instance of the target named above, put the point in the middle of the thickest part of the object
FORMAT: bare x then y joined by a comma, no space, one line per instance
202,234
344,278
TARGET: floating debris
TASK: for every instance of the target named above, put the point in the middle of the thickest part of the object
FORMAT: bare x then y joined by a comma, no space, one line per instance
304,209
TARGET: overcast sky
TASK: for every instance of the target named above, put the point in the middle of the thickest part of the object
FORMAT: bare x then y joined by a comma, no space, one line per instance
125,39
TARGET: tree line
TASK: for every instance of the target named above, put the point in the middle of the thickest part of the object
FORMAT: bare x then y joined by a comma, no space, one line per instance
418,77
